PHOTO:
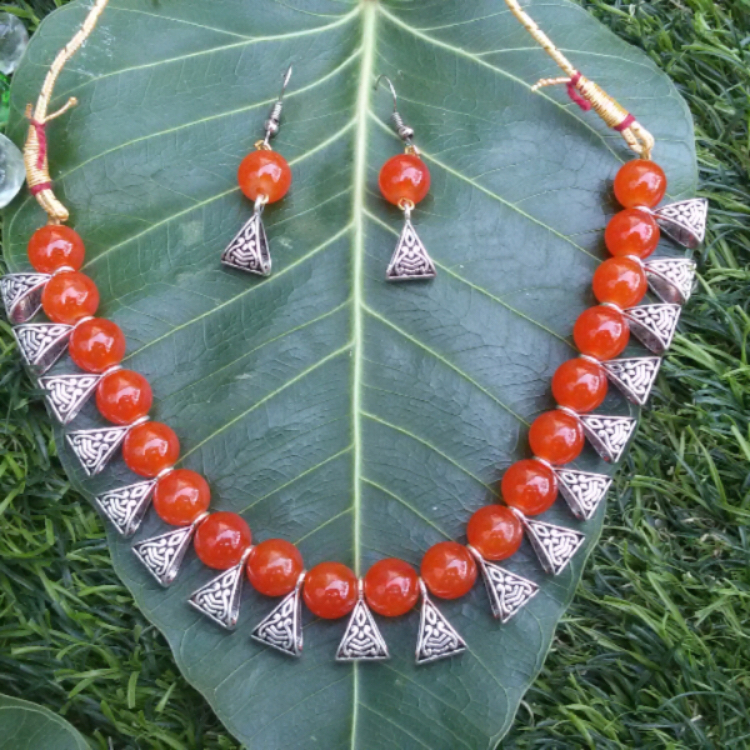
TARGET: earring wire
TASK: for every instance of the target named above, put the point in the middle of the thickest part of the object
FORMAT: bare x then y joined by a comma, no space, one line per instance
273,123
405,133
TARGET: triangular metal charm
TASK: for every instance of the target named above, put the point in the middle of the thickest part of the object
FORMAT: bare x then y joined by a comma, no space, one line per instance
583,492
125,507
362,639
437,638
282,628
608,435
22,295
684,221
162,555
508,592
654,325
67,394
634,376
41,344
671,278
94,448
410,261
220,598
555,546
248,251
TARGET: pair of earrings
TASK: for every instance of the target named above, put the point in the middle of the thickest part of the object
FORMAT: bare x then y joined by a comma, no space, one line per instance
264,177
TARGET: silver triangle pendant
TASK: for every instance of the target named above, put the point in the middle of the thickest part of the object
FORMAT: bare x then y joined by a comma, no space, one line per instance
125,507
634,376
22,295
437,638
221,597
582,491
410,261
67,394
94,448
362,639
608,435
654,325
555,546
282,627
684,221
248,251
671,278
42,344
508,592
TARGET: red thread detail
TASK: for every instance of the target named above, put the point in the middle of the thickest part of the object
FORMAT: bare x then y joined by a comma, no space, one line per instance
41,136
584,104
625,124
36,189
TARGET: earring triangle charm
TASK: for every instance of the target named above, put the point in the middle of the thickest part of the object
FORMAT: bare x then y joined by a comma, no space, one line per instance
362,639
671,278
654,325
555,546
42,344
22,295
94,448
248,251
437,638
410,260
608,435
125,507
684,221
221,597
582,491
282,627
634,376
67,394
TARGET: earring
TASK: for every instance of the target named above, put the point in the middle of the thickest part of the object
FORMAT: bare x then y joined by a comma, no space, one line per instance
264,177
404,181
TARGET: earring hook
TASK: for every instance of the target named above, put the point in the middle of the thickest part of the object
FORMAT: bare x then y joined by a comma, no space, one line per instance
405,133
273,123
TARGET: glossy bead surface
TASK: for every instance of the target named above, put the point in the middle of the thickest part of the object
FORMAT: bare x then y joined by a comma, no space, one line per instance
404,177
181,496
631,232
640,183
601,332
221,540
529,486
579,384
391,587
123,396
69,296
264,173
621,281
495,532
54,246
448,570
556,437
330,590
274,567
150,448
96,345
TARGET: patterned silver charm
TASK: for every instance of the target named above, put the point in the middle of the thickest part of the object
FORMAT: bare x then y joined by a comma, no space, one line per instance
42,344
583,492
437,638
654,325
67,394
282,628
671,278
248,251
94,448
362,639
125,507
555,546
634,376
608,435
221,597
684,221
410,260
22,295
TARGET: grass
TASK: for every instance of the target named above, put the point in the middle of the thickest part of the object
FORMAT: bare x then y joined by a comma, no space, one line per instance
654,652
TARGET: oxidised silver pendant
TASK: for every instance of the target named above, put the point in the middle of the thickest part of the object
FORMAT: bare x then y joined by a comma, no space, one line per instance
42,344
248,251
22,295
555,546
362,639
671,278
608,435
437,638
94,448
684,221
654,325
410,260
282,628
125,507
634,376
67,394
582,491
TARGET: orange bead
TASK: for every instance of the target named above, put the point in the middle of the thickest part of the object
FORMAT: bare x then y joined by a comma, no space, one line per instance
556,437
95,345
221,540
631,232
391,587
579,384
404,177
529,486
621,281
448,570
601,332
69,296
330,590
495,532
181,496
274,567
54,246
640,183
264,173
150,448
123,396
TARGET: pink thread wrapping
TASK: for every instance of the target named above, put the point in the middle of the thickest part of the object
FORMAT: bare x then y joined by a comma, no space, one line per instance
584,104
41,136
36,189
625,124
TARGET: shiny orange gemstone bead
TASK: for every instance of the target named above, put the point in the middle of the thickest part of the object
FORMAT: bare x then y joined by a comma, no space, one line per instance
448,570
330,590
529,486
274,567
69,296
640,183
95,345
495,532
181,496
123,396
54,246
264,173
621,281
556,437
601,332
579,384
150,448
404,177
221,540
631,232
391,587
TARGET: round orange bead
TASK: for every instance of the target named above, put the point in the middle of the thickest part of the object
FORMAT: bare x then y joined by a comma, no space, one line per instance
495,532
529,486
54,246
601,332
181,496
556,437
631,232
96,345
274,567
579,384
640,183
404,177
448,570
69,296
621,281
221,540
391,587
150,448
330,590
264,173
123,396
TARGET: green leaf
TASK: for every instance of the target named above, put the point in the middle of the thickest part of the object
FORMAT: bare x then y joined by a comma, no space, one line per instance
357,418
27,726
